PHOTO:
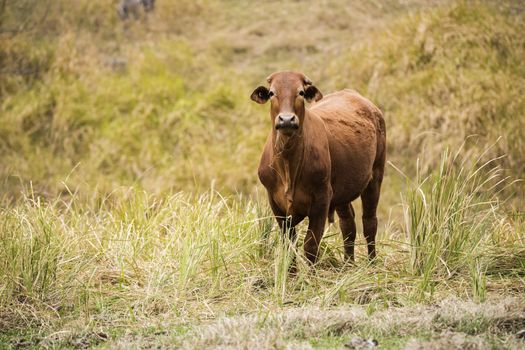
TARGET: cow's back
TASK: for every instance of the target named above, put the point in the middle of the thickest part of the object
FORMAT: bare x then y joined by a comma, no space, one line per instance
356,134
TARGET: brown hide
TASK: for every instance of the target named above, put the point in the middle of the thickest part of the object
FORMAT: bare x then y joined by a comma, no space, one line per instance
318,160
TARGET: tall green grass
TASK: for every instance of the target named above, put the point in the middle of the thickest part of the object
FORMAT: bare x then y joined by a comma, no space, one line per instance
127,251
450,217
131,256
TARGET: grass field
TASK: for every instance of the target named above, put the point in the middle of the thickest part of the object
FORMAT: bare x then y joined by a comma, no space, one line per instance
130,211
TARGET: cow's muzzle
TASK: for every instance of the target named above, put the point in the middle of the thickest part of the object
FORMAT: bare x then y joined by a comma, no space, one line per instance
286,121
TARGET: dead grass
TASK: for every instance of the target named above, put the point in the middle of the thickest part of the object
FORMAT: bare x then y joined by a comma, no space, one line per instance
448,324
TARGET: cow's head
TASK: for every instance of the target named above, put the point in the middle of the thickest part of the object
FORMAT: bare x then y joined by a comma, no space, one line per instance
287,93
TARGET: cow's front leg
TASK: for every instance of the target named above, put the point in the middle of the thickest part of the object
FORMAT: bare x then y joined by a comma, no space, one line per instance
317,217
289,236
287,225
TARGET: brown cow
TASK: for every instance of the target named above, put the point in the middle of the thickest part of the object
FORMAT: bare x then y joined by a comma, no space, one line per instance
319,159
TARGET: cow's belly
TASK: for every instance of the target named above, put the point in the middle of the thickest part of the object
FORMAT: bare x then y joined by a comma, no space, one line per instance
346,190
351,170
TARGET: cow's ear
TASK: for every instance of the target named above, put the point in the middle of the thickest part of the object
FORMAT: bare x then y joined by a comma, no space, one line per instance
311,93
260,95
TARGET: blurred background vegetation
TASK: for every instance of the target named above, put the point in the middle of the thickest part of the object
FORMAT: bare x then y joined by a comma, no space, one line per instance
161,103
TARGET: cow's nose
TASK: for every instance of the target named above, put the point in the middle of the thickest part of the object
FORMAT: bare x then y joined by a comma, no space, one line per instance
287,121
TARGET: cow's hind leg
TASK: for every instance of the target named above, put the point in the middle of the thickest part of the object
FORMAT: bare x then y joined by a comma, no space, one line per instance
347,223
370,199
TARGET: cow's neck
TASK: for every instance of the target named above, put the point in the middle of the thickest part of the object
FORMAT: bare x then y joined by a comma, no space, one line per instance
288,160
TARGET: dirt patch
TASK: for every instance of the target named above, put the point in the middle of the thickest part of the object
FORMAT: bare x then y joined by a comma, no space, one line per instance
510,325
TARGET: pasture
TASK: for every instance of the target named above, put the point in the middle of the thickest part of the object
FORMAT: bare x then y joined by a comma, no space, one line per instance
131,215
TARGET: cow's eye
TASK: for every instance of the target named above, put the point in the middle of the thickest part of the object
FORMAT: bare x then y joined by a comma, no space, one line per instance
271,93
301,93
